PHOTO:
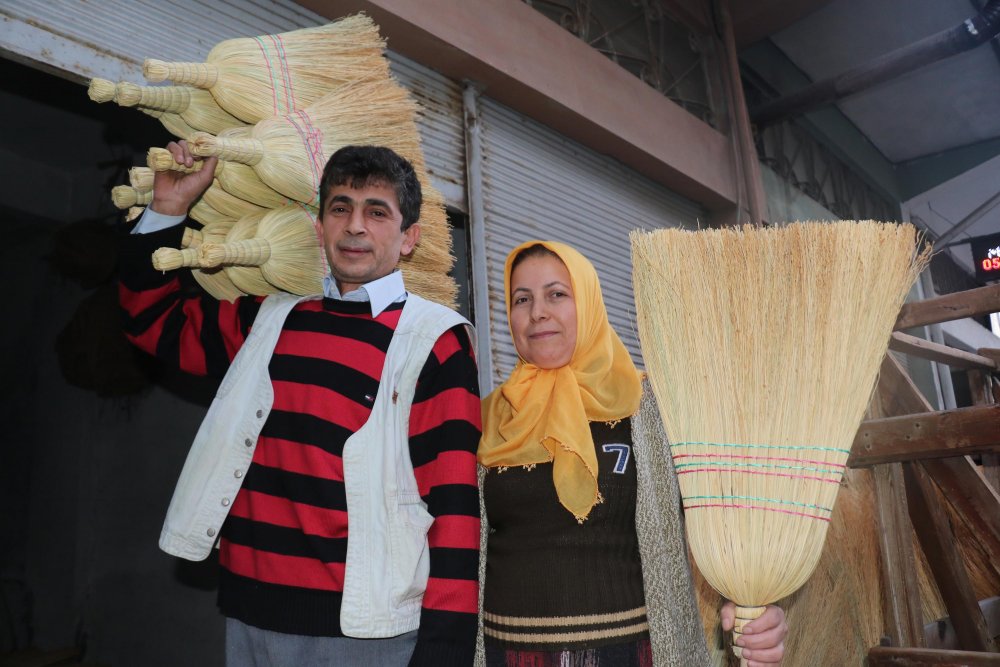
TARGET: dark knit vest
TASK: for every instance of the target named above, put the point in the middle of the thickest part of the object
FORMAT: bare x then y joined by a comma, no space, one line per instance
553,583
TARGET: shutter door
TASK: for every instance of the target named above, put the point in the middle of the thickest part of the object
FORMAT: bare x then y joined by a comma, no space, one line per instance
540,185
111,38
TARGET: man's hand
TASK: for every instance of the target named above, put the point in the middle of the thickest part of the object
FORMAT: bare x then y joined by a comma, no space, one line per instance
174,192
763,639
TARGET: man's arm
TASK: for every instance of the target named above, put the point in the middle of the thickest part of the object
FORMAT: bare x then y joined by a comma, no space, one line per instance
164,315
445,426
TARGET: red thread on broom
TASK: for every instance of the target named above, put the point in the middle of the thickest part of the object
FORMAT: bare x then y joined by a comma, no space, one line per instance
755,507
754,472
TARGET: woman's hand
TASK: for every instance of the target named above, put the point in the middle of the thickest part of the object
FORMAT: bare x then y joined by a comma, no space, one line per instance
763,639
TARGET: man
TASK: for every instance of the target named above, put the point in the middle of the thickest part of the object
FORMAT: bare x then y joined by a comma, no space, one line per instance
336,466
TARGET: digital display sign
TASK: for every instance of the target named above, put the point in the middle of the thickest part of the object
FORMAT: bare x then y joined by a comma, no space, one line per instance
986,257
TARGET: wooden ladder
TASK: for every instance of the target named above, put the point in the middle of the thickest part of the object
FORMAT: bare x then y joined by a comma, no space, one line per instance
920,460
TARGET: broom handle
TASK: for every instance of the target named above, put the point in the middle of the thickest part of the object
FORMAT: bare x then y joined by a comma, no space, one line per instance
102,90
192,238
141,178
200,75
160,159
168,259
173,99
743,616
249,252
246,151
125,196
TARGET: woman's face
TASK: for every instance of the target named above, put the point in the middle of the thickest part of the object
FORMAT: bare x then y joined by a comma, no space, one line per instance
543,311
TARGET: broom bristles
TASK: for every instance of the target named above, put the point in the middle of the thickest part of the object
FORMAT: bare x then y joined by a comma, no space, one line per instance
227,204
255,78
239,266
762,347
195,106
296,263
173,123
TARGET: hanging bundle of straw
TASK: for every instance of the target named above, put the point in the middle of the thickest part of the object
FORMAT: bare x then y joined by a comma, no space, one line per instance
102,90
126,196
255,78
195,106
213,280
284,246
289,152
762,346
141,178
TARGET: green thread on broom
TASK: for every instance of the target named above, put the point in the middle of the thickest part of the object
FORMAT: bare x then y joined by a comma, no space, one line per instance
744,446
702,464
764,500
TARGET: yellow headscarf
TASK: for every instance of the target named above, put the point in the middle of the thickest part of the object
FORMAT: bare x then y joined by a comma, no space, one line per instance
542,415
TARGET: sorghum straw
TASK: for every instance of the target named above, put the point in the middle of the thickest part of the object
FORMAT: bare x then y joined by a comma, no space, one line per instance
762,347
255,78
195,106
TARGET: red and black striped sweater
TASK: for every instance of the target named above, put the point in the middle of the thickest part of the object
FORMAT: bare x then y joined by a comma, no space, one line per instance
283,546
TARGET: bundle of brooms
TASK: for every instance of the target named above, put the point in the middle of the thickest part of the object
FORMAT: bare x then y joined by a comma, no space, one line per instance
271,79
762,347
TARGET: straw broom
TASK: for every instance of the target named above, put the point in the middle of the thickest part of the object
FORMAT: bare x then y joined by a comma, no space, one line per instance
762,347
195,106
250,279
289,152
173,123
141,178
214,280
102,90
255,78
284,247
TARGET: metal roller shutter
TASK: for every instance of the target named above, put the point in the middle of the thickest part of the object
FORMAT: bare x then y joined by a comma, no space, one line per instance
110,39
537,184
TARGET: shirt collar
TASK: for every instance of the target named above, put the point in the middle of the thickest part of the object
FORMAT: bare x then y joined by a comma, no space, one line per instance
380,293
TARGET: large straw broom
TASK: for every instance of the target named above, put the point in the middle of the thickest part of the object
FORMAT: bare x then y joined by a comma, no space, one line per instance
126,196
195,106
289,152
255,78
212,280
762,347
250,278
284,247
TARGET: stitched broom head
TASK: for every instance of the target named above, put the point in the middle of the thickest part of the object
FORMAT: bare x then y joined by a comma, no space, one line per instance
762,347
284,247
241,180
195,106
102,90
255,78
248,278
289,153
125,196
141,178
173,123
227,204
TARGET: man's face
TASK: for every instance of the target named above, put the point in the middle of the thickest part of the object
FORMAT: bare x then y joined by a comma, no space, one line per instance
362,235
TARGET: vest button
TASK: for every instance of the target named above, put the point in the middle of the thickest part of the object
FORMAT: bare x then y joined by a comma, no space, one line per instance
225,502
248,442
211,532
238,474
260,413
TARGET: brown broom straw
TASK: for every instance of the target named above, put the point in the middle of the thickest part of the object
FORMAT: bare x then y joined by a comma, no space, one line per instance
195,106
141,178
284,247
255,78
762,346
289,152
125,196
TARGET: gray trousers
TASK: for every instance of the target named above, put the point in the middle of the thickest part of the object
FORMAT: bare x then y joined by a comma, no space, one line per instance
247,646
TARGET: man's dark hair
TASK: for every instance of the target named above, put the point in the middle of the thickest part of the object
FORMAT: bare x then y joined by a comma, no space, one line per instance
361,166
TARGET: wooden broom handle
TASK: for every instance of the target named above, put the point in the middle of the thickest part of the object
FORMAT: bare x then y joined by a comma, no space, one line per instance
246,151
743,616
200,75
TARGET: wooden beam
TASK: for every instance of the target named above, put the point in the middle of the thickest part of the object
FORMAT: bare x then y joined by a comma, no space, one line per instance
977,504
925,349
969,303
891,656
938,542
927,435
940,634
903,613
982,386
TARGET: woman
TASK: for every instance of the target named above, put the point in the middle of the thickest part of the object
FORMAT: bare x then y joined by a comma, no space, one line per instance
582,567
